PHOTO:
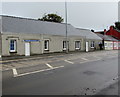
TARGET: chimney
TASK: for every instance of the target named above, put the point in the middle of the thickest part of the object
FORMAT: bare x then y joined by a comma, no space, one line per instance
111,27
105,31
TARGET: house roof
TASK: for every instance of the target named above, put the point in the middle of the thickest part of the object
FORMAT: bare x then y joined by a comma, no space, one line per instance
107,37
88,34
0,24
12,24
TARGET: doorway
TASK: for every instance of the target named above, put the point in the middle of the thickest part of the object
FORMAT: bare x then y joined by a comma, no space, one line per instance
27,49
87,46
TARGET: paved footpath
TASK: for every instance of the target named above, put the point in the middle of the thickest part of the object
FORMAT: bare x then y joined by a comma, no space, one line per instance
22,61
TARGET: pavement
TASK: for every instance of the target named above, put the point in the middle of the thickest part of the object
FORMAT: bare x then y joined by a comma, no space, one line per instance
110,90
22,61
62,74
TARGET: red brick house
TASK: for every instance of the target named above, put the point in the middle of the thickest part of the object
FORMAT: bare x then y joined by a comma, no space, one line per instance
113,32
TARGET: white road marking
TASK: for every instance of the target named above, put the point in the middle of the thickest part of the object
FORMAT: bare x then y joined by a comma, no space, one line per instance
50,56
15,72
49,66
84,59
69,62
90,61
97,57
37,71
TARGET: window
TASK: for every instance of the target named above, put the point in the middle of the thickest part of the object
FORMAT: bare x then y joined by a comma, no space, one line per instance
118,44
46,45
77,45
12,45
64,45
115,44
105,44
92,44
111,45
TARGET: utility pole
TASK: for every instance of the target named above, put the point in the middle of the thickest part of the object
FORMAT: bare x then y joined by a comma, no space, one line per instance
66,27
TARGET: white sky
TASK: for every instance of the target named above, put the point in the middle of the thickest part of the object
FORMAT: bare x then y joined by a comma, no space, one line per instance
91,15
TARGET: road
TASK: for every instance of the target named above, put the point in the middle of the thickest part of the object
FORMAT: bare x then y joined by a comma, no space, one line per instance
85,74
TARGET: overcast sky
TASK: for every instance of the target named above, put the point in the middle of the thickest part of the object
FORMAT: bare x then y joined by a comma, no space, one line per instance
90,15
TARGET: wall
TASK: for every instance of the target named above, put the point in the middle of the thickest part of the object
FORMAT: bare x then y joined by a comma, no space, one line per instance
96,46
20,43
108,45
72,40
55,43
0,45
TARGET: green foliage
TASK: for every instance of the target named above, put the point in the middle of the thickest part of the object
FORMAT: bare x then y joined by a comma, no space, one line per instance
52,18
117,25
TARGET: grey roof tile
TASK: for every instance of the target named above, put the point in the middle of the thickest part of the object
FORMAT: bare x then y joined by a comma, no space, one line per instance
107,37
88,34
24,25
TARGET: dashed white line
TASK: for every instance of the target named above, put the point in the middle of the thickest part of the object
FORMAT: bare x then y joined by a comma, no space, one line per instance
38,71
69,62
84,59
50,56
97,57
49,66
15,72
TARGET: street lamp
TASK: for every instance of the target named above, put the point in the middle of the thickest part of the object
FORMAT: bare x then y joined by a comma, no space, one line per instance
66,27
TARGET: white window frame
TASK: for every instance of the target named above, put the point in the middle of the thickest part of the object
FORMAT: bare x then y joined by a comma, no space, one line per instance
111,45
77,45
118,44
64,45
106,44
92,44
47,45
15,45
115,44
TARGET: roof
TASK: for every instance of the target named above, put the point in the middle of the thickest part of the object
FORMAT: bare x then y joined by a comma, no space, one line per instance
0,24
107,37
88,34
12,24
24,25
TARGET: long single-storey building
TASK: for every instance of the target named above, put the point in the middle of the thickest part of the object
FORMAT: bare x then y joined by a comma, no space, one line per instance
23,36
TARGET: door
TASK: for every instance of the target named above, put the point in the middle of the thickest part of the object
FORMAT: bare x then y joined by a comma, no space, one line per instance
87,46
27,49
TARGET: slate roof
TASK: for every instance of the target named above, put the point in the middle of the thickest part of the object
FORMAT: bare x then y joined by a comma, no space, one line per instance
0,24
88,34
107,37
12,24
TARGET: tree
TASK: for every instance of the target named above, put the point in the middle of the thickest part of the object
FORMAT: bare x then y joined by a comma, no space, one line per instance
117,25
52,18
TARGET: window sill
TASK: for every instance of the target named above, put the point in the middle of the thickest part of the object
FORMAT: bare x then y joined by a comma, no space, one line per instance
46,50
64,49
12,51
77,48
